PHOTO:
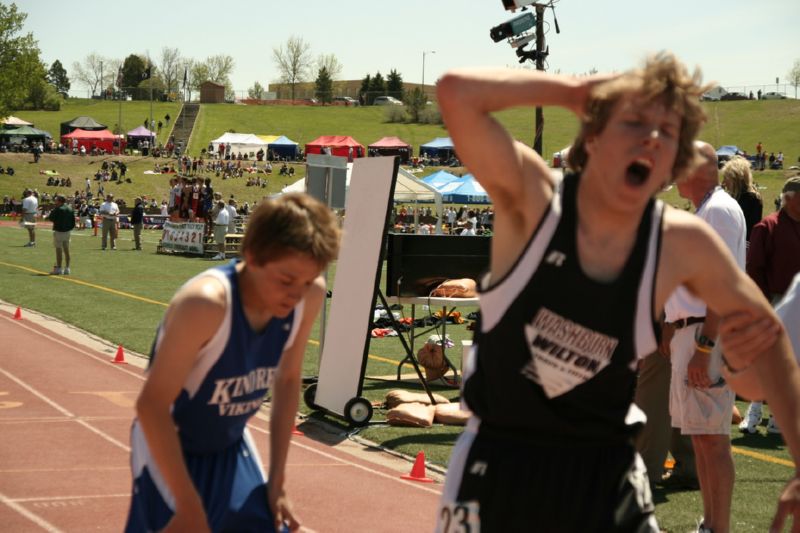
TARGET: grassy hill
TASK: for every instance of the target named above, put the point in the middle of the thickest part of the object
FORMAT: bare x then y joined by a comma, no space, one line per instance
743,123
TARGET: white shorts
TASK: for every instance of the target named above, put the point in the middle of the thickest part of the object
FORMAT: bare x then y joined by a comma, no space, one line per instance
698,411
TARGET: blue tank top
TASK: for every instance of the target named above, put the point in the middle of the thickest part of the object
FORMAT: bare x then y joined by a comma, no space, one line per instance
232,373
556,350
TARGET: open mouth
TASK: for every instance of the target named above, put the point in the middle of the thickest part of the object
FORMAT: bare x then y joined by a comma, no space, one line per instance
637,172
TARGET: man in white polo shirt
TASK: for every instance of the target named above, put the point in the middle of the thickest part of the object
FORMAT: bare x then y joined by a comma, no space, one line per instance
30,208
109,210
221,221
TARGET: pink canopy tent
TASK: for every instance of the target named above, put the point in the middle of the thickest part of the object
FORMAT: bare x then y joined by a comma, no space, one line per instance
339,144
389,146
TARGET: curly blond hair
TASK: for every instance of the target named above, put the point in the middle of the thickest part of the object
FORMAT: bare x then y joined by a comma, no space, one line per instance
662,79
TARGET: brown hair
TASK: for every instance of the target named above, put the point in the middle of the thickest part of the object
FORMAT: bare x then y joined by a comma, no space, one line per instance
293,222
663,78
737,172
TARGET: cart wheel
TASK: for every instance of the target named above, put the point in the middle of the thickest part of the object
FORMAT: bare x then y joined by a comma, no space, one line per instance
358,411
309,395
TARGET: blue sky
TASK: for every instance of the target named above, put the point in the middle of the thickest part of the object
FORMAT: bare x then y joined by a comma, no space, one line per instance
736,43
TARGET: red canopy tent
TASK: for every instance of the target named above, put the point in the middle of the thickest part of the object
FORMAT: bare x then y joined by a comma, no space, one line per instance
101,140
339,144
390,146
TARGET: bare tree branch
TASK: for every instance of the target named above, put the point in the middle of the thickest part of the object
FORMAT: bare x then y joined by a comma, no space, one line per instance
169,67
331,64
293,60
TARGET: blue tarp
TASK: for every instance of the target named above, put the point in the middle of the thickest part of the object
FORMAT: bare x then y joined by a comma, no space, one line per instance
283,147
729,150
440,146
439,179
464,190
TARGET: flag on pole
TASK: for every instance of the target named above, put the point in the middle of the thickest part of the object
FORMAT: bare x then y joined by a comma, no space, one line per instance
185,73
146,73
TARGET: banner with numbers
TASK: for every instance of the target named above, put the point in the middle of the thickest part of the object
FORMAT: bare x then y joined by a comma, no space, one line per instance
185,237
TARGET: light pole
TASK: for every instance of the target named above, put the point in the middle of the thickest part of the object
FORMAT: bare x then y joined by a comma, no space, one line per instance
424,53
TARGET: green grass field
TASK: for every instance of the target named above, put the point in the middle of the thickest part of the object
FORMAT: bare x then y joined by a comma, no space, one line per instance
120,296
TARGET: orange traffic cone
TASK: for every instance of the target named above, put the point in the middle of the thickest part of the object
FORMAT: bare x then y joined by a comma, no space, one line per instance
120,357
418,470
297,432
18,314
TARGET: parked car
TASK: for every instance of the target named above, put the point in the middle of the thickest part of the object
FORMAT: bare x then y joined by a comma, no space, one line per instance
773,96
733,96
346,100
386,100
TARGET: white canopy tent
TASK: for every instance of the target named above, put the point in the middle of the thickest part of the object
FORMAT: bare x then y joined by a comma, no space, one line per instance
240,143
407,189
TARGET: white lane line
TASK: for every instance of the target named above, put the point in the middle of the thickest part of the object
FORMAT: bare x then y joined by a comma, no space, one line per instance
259,415
355,465
68,498
41,522
64,411
107,361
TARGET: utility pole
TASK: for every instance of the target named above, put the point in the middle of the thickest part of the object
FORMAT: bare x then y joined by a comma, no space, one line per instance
101,81
537,142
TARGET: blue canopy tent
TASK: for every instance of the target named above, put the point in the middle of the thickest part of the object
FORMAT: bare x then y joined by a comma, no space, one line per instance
440,148
439,178
283,147
465,190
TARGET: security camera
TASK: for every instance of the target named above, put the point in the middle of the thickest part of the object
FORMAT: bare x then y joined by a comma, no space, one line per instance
511,5
516,26
522,40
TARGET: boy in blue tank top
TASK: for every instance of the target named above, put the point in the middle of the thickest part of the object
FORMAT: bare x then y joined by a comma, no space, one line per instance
230,334
580,269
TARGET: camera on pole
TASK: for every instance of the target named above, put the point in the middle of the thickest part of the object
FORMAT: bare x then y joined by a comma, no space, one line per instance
514,27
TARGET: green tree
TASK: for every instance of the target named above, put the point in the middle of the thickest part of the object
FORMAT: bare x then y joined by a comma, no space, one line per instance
20,66
415,102
133,72
43,95
57,77
293,60
323,86
364,90
255,92
377,87
394,84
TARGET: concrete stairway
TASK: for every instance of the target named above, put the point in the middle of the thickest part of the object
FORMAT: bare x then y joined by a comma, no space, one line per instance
183,125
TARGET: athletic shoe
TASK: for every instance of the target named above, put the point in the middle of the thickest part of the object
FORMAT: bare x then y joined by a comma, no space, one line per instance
701,527
752,419
218,257
29,245
113,247
56,271
772,426
67,271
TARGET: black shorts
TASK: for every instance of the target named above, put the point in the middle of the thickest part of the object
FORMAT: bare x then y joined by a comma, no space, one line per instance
500,484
